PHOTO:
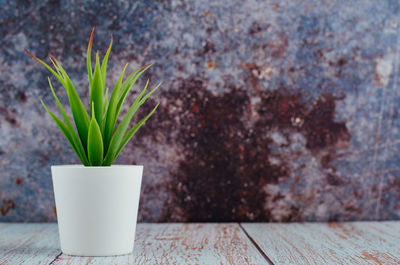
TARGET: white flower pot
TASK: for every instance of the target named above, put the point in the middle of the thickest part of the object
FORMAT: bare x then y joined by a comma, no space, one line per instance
97,208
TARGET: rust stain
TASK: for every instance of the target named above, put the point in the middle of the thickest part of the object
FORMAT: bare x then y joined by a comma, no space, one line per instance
21,96
9,116
211,65
224,155
195,108
279,49
257,27
248,66
212,166
18,181
321,128
8,205
208,49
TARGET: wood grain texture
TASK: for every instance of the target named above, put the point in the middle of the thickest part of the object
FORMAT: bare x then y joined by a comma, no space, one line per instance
194,244
28,243
155,244
329,243
183,244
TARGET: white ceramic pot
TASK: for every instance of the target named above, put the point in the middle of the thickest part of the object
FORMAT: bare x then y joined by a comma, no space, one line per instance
97,208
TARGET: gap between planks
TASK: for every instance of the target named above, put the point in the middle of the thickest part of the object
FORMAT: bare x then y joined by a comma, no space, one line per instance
256,245
347,243
55,259
166,243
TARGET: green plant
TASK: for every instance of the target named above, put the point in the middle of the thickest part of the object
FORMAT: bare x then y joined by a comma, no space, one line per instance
98,141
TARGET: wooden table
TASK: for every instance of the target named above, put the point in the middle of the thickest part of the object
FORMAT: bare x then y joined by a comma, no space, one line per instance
222,243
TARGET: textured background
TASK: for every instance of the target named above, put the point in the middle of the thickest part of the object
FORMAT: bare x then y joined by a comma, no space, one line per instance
270,110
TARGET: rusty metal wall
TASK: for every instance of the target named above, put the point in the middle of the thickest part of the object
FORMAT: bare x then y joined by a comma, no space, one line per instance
270,110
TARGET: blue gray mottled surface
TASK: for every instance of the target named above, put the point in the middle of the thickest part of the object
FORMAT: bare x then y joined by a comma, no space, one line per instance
270,110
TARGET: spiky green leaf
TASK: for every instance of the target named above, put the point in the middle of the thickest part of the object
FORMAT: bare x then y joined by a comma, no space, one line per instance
97,92
104,63
95,142
59,77
128,84
105,104
110,115
64,129
74,137
128,136
88,57
119,134
79,113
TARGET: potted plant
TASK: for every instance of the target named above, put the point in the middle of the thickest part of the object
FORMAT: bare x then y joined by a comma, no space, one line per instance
97,202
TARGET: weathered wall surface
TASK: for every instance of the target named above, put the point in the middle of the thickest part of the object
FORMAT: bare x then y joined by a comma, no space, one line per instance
270,110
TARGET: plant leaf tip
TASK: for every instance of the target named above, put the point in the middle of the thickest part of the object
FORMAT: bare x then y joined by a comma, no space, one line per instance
44,105
91,37
52,56
30,54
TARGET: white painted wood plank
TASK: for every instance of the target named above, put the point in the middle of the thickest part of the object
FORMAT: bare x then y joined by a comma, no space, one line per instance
28,243
328,243
195,244
183,244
